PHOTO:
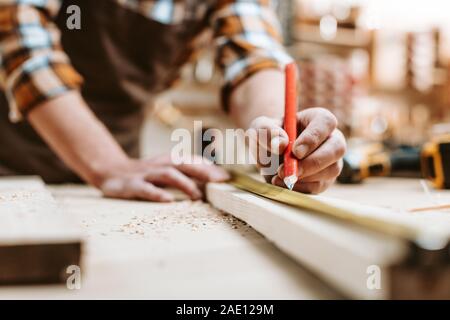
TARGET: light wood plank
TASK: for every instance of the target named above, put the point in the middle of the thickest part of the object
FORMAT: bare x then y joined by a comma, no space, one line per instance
184,250
37,242
338,252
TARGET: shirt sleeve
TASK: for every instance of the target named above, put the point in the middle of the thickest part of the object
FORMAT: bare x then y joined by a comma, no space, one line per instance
33,66
248,38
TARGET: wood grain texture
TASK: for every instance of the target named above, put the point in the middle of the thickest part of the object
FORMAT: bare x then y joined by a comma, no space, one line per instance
192,251
340,253
183,250
37,242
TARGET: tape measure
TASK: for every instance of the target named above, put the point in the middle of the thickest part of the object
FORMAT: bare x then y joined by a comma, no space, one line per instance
407,231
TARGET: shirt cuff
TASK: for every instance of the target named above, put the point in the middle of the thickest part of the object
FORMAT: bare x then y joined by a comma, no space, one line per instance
40,79
243,69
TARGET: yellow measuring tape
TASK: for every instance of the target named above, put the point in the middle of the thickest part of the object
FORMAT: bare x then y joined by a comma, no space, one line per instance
266,190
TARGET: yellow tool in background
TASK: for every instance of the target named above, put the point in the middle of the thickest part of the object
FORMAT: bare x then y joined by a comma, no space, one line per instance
435,162
363,161
373,159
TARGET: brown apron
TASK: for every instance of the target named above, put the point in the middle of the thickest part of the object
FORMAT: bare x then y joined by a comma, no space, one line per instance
125,58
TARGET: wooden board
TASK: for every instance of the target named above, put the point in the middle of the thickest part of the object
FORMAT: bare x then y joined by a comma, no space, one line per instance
340,253
37,242
192,251
183,250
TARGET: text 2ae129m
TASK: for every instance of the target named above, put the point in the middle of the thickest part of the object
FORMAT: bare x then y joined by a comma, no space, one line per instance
226,309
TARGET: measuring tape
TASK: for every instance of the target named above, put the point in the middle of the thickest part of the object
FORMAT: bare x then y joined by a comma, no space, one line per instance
392,228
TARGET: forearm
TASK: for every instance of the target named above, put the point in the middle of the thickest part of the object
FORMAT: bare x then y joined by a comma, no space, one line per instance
319,147
260,95
71,129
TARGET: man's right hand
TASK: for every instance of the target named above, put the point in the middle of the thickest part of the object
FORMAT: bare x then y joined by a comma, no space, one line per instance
144,179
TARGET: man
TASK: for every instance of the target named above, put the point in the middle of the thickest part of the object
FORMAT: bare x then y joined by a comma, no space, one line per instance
75,96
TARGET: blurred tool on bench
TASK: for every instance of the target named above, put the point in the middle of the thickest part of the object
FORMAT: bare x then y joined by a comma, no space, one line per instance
436,162
369,159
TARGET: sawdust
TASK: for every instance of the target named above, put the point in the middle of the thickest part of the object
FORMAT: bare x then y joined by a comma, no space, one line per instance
16,195
193,216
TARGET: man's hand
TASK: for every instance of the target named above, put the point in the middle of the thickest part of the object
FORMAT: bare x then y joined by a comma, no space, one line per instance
320,147
144,179
86,146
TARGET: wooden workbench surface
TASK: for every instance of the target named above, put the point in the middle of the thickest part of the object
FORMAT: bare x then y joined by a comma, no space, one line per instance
401,195
191,251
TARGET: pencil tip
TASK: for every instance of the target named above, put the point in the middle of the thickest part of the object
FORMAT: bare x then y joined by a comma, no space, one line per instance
290,182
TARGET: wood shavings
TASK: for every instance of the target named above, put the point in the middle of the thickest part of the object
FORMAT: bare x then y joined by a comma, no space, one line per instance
16,196
188,215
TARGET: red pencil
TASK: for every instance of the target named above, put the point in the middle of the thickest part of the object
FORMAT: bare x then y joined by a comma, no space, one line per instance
290,125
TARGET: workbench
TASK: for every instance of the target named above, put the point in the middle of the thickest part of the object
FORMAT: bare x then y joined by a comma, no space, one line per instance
186,250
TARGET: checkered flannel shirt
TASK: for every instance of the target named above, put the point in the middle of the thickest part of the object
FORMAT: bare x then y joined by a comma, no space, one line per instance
35,69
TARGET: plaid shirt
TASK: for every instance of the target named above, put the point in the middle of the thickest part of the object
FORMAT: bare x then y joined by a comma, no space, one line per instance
34,67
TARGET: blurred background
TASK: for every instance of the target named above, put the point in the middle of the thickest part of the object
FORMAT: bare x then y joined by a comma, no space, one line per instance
381,66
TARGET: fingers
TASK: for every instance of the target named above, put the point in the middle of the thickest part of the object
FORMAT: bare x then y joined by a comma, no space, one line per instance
205,172
171,177
147,191
198,168
143,180
329,153
320,169
329,173
312,187
316,125
135,188
269,134
315,187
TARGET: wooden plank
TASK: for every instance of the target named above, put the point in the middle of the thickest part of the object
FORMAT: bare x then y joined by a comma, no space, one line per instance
182,250
396,223
180,255
338,252
37,242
